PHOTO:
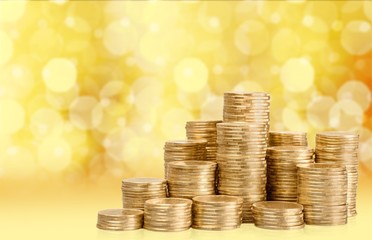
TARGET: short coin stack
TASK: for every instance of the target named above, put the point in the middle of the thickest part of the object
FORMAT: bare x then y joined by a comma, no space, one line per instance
120,219
322,191
217,212
168,214
184,150
278,215
341,148
206,130
282,170
241,162
137,190
187,179
283,138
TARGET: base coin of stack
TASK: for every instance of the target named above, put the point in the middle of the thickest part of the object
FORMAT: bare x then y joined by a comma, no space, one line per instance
241,162
184,150
187,179
137,190
205,130
282,170
322,190
167,214
217,212
283,138
120,219
341,148
278,215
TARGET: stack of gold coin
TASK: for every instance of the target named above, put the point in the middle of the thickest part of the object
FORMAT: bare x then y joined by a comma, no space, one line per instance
206,130
168,214
120,219
322,189
241,162
187,179
137,190
278,215
217,212
246,107
184,150
282,170
282,138
341,148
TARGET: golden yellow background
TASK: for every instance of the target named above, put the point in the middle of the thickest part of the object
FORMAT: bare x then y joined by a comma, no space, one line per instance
90,90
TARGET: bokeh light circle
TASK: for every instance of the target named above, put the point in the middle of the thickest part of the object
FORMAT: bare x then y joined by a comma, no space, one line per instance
191,74
59,74
54,154
356,91
297,74
6,47
252,37
12,116
356,37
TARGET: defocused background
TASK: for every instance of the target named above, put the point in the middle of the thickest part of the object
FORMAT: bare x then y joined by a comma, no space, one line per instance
90,90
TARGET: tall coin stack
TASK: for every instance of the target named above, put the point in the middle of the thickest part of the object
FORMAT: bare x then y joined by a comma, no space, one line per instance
322,190
217,212
278,215
241,162
184,150
187,179
283,138
341,148
168,214
120,219
207,130
137,190
282,170
246,107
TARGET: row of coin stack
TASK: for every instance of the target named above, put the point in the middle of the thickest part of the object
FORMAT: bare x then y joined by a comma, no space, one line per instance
222,174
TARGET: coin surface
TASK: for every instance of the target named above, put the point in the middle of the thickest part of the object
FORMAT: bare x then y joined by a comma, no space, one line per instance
120,219
167,214
278,215
135,191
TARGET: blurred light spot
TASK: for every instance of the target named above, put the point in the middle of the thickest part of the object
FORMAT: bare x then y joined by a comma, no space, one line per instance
356,91
308,21
292,120
191,74
318,111
345,115
46,122
111,89
367,6
12,116
59,74
11,11
54,154
173,123
17,162
6,47
85,112
62,100
252,37
248,86
211,108
275,18
297,75
285,44
356,37
120,38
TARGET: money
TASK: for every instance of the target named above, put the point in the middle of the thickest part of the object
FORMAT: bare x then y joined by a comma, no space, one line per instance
120,219
187,179
278,215
246,107
283,138
322,190
204,130
282,170
167,214
184,150
217,212
341,148
241,162
135,191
